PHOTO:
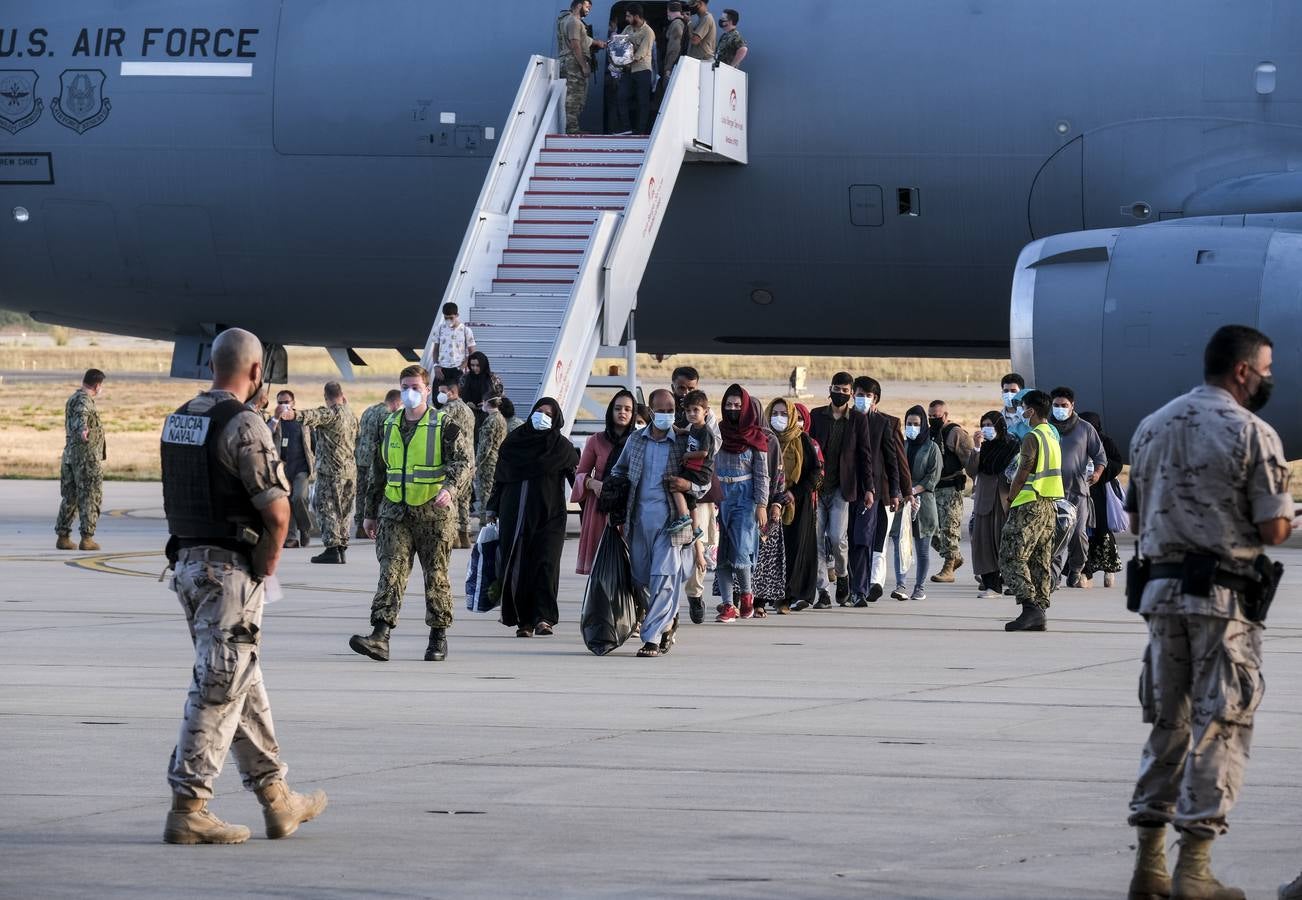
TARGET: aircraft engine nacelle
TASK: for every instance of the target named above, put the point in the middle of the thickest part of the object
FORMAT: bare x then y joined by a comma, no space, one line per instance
1122,315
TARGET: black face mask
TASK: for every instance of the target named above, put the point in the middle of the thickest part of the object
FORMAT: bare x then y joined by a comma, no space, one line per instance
732,416
1261,396
935,423
838,399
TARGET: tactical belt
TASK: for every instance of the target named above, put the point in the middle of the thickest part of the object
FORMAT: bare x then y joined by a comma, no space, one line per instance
1237,583
230,545
213,554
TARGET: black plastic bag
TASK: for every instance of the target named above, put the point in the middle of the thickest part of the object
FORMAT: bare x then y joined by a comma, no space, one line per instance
613,500
610,602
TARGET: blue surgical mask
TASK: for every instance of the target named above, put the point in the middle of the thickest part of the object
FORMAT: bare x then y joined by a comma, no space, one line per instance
862,404
662,421
1061,413
988,432
779,423
912,431
1009,397
541,421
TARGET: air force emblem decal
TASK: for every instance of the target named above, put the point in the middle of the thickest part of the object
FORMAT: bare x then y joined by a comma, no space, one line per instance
19,105
81,104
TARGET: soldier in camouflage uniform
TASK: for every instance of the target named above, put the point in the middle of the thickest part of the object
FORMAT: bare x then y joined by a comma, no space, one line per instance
574,51
368,435
81,478
464,417
491,435
1208,481
955,447
334,429
403,530
218,479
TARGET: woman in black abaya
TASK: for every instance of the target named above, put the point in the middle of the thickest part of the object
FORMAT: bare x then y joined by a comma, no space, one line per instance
529,503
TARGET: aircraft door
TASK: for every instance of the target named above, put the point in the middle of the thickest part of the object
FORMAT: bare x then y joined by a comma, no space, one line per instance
1056,203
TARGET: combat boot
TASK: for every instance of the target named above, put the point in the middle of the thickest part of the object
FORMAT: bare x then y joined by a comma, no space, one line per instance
331,555
1150,881
190,822
437,651
957,559
361,533
1193,878
87,543
375,645
946,573
283,810
1292,890
64,543
1030,619
467,540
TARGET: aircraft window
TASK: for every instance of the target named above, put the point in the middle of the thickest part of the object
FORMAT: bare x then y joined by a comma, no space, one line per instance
908,201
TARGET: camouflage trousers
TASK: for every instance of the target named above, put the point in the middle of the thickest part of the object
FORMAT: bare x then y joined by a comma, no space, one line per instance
363,485
1199,687
81,487
227,707
483,485
333,504
397,543
576,96
1026,552
463,504
949,512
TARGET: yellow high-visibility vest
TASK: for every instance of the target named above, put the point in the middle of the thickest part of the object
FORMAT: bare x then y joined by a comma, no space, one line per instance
1046,481
415,469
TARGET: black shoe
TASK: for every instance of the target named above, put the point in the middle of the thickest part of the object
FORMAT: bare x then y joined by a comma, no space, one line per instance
375,645
331,555
859,602
1031,619
437,651
874,593
696,607
801,606
824,601
842,590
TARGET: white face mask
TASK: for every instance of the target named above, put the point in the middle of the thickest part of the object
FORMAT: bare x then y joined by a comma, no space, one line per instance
412,398
1061,413
779,423
541,421
988,432
912,431
443,398
662,421
1008,397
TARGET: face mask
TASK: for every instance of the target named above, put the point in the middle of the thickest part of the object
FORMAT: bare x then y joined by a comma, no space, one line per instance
662,421
862,404
912,431
541,421
1061,413
988,432
732,416
935,421
412,398
442,398
779,423
1009,397
1261,396
838,399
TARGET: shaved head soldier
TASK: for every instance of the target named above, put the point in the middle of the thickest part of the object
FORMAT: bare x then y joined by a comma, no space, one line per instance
227,507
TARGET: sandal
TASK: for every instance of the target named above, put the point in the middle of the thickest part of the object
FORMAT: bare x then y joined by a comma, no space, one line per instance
649,650
759,611
543,629
524,632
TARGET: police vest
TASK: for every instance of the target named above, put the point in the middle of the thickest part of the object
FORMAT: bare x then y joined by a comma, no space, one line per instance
415,468
1046,481
563,49
201,498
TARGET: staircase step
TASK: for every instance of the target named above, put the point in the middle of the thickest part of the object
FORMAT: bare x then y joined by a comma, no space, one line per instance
586,214
548,184
560,197
569,228
597,141
506,320
546,243
546,300
537,256
510,272
531,286
625,169
625,157
491,334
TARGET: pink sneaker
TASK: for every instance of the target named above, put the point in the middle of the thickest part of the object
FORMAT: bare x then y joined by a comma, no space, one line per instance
729,614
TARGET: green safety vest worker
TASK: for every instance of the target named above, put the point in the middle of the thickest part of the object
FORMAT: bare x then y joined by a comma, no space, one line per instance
415,469
1046,481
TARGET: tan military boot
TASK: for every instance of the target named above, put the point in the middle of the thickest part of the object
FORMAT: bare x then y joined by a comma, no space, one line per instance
1193,878
1150,881
285,810
64,543
190,822
88,543
946,574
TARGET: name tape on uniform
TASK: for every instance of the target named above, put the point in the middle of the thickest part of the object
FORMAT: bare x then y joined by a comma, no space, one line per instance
189,430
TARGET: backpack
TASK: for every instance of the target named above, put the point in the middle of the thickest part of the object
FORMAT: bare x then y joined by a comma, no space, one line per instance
951,467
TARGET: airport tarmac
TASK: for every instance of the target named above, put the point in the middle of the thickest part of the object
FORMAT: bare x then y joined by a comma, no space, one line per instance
911,750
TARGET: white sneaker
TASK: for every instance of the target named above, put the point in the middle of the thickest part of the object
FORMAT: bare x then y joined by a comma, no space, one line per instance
988,594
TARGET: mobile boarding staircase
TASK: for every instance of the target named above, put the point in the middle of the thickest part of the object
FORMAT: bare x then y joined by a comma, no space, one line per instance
549,269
